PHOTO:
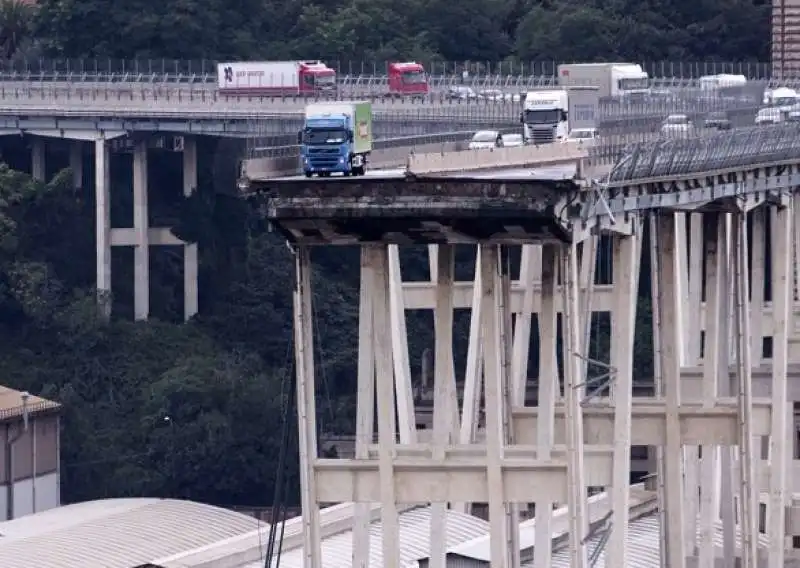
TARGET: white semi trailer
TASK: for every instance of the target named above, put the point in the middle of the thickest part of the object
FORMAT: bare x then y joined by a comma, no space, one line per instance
614,80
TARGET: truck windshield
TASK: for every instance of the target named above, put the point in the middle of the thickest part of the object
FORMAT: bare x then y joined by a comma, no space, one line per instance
548,116
631,83
414,77
324,80
324,136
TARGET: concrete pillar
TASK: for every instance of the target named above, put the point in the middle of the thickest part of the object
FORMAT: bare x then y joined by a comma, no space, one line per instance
549,391
103,226
626,282
141,268
714,360
444,390
780,440
671,338
365,402
306,409
385,387
573,414
190,264
76,163
407,423
38,171
748,498
494,405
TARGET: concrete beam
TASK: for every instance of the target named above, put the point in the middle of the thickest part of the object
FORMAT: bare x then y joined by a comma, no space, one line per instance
450,480
74,134
496,158
716,425
157,236
421,296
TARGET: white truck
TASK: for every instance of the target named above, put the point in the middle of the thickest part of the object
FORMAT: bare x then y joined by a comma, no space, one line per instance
549,115
614,80
276,78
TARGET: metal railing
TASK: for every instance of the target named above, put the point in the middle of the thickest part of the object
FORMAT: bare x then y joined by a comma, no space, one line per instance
171,70
743,147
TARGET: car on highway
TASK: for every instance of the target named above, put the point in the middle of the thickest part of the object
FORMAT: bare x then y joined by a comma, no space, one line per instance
717,120
512,140
677,125
486,139
461,93
770,115
585,136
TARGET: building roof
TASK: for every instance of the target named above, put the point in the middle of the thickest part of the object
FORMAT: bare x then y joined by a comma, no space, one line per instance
11,404
415,526
115,533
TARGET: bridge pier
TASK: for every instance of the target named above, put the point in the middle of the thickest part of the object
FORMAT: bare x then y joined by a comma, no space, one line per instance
102,165
38,159
141,235
76,162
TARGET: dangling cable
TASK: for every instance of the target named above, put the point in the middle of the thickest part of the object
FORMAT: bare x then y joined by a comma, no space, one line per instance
278,499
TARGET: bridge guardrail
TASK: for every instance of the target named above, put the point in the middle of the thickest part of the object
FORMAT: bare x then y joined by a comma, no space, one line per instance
479,73
675,158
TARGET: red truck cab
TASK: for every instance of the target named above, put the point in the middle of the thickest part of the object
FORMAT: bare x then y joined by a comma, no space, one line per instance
407,79
316,78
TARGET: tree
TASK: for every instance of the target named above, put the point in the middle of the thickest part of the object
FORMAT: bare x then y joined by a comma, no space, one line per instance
16,23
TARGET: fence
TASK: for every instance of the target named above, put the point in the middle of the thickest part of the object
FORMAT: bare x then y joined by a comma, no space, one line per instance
671,158
186,70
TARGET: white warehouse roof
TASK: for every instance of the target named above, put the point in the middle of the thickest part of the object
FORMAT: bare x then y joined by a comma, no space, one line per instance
337,550
115,533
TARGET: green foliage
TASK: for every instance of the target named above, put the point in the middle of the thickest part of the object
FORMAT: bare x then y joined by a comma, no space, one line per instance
379,30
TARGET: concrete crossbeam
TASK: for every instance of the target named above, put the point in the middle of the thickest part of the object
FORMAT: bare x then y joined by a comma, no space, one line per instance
450,480
699,426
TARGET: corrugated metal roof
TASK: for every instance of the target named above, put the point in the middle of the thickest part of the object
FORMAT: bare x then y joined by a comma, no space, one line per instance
115,533
643,545
11,404
337,551
598,506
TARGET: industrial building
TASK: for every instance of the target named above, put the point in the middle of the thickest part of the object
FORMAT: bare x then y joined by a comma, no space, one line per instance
785,38
30,474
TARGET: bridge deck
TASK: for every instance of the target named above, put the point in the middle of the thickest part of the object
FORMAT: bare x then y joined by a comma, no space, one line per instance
426,210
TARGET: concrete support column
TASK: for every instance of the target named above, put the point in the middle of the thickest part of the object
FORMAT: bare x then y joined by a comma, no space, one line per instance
76,162
190,262
747,492
576,489
141,268
103,226
549,391
780,439
714,360
444,395
671,337
407,423
365,401
385,387
306,409
38,150
626,282
491,326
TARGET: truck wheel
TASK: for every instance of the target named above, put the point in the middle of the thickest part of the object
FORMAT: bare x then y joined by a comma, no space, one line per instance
359,171
309,174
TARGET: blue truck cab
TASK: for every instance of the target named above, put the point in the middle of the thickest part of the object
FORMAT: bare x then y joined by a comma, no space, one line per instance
336,138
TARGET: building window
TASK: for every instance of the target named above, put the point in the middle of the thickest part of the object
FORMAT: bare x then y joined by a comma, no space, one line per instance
762,518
